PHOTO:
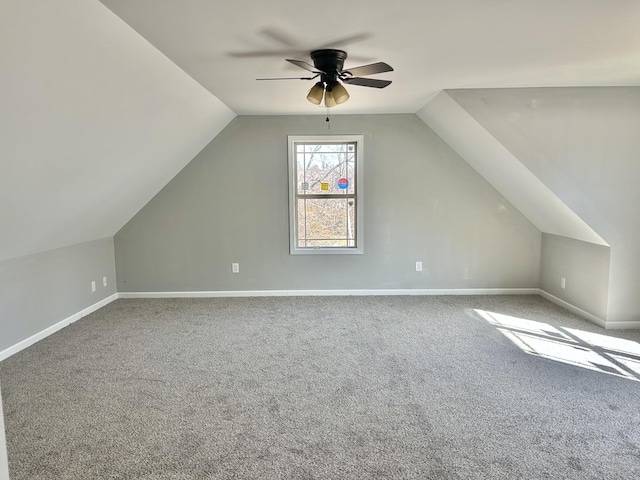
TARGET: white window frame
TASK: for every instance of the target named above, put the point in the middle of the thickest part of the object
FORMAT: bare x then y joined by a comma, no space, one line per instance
359,195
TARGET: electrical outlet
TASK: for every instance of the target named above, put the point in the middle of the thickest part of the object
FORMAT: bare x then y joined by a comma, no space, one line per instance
563,283
93,285
418,266
104,281
235,268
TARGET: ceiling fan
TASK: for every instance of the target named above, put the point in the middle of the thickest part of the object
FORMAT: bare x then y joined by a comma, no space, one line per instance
328,64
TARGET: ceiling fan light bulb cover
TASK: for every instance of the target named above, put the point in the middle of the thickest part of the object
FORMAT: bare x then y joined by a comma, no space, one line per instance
329,100
315,94
340,94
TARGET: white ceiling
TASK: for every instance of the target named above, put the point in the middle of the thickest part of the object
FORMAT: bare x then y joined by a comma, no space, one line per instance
432,44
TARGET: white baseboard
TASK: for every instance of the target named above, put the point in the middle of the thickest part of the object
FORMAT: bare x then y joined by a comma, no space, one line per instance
632,325
573,309
328,293
54,328
588,316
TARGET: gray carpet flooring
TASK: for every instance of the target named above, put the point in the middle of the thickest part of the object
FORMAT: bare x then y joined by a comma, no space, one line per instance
325,388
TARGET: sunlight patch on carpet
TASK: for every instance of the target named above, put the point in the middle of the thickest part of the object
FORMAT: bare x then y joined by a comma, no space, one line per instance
592,351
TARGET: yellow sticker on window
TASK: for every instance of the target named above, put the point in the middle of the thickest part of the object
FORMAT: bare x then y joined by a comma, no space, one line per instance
324,186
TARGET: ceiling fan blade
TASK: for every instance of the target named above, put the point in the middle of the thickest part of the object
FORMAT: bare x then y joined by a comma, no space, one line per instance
288,78
371,69
341,42
279,36
305,65
366,82
268,53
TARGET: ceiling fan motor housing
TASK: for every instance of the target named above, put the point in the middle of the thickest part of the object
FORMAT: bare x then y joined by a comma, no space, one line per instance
329,61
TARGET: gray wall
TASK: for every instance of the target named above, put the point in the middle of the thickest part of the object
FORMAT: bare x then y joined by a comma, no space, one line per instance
422,202
40,290
585,266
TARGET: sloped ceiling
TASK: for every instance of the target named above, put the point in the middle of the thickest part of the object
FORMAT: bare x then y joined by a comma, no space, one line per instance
582,143
500,167
96,115
93,122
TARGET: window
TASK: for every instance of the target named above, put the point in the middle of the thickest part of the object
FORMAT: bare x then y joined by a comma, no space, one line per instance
325,194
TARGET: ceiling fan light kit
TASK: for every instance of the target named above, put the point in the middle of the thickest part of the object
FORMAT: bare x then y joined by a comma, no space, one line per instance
316,93
329,101
334,94
328,65
340,93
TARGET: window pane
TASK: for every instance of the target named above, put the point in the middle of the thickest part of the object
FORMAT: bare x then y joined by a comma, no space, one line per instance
325,169
325,214
327,222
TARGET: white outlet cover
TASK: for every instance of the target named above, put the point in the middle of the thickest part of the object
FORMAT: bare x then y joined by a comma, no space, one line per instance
104,281
235,268
93,285
418,266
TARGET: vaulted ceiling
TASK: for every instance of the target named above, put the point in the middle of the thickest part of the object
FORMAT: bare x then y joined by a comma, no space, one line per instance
102,103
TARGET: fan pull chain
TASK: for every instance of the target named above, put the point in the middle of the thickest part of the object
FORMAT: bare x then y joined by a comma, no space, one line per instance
327,120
